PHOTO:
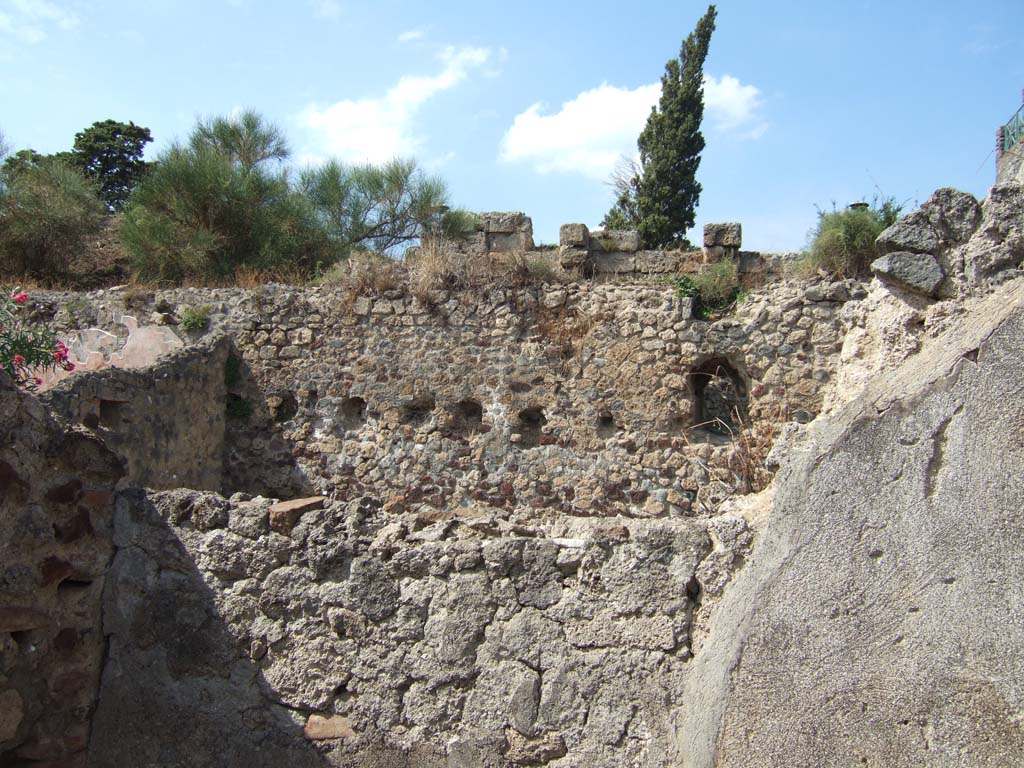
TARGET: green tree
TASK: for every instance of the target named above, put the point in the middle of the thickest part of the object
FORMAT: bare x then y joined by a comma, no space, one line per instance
247,139
382,207
20,161
218,204
111,152
661,199
47,211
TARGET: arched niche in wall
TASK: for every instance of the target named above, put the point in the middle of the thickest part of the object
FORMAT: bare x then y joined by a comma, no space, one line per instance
720,404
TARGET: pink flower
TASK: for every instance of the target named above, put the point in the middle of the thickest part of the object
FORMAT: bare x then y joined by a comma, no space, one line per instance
19,360
69,366
39,382
19,297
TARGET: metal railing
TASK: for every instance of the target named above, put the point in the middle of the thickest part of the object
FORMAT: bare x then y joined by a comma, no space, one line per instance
1013,131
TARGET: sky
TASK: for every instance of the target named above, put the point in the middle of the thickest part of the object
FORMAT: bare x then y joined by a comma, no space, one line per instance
529,106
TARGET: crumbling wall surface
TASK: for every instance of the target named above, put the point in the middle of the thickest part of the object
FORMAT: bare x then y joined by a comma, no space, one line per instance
575,399
952,246
175,691
166,420
56,506
565,399
879,620
326,633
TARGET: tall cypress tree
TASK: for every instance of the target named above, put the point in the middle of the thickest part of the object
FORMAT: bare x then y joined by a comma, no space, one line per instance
661,199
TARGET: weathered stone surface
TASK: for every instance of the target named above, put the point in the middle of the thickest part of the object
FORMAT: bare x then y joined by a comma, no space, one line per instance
20,619
574,236
284,514
919,272
894,546
728,235
504,232
453,641
391,392
525,751
170,434
656,262
614,262
572,258
947,218
616,240
55,544
503,222
998,244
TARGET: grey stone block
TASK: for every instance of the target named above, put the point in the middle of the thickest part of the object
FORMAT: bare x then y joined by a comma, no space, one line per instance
616,262
729,235
657,262
574,235
505,222
617,239
920,272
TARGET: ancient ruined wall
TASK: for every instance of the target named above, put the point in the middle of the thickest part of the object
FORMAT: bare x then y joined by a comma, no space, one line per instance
56,506
522,555
347,635
166,421
575,399
580,399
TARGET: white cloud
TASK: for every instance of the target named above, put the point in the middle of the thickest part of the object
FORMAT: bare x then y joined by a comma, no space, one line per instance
411,34
378,129
733,107
30,20
587,135
591,132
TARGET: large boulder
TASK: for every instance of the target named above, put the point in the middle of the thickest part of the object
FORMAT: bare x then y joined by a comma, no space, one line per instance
878,621
949,217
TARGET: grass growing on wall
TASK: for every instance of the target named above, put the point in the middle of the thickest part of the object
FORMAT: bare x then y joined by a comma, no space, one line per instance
843,242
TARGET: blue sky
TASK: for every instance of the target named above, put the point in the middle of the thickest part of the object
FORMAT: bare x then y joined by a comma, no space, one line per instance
526,106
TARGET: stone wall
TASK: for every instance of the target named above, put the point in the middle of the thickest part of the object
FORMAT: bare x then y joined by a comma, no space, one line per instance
56,508
577,399
879,619
166,421
500,232
614,255
528,547
346,635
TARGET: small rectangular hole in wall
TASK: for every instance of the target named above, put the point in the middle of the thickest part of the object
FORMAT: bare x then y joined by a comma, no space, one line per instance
113,413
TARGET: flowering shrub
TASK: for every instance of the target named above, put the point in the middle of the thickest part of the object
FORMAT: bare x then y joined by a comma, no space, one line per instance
26,349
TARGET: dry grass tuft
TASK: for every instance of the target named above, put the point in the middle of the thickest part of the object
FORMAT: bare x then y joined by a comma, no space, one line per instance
751,445
365,273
